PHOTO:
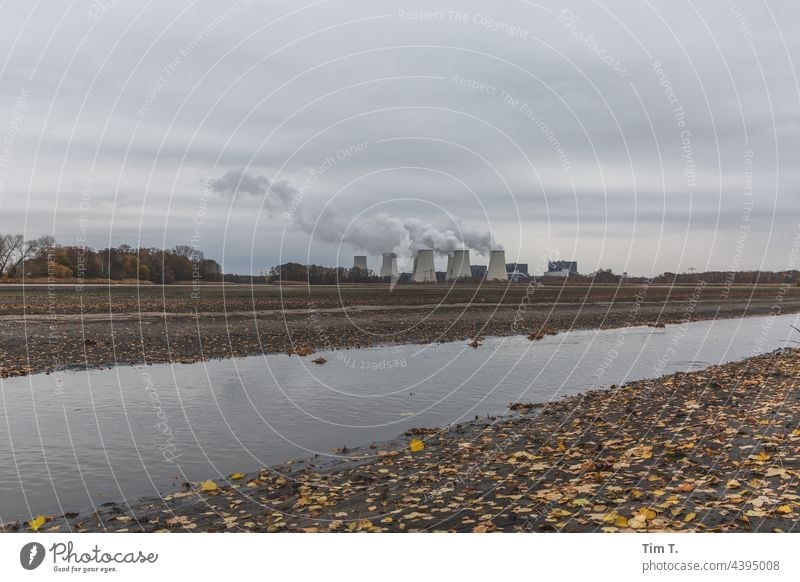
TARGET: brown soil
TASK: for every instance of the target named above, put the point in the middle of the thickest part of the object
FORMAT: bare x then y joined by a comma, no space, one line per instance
98,327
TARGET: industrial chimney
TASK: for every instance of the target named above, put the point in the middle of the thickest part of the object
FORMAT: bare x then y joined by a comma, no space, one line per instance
459,266
497,267
424,271
389,266
360,262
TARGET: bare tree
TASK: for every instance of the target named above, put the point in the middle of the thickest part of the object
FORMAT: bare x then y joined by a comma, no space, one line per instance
10,249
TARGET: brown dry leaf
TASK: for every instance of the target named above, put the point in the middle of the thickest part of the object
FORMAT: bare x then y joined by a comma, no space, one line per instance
647,513
778,472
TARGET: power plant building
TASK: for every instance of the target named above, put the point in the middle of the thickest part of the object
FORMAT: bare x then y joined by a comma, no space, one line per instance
478,271
520,268
561,268
458,266
496,271
389,266
424,270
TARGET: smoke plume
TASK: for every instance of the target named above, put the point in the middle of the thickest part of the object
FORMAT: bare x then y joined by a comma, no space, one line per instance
374,234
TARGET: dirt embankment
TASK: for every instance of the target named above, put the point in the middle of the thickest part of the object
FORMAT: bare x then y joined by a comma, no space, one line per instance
40,332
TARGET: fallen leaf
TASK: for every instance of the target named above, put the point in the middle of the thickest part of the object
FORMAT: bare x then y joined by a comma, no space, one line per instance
778,472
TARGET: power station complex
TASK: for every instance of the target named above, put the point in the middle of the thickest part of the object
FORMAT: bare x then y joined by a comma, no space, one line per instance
458,267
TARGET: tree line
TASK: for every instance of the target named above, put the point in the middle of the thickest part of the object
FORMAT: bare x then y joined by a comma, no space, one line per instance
731,277
43,258
320,275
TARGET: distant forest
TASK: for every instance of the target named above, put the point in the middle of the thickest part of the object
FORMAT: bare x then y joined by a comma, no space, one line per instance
319,275
43,258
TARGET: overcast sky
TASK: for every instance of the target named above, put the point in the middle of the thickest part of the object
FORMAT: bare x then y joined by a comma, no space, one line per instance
639,136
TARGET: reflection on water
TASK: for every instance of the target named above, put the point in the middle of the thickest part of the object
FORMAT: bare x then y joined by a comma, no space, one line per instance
75,440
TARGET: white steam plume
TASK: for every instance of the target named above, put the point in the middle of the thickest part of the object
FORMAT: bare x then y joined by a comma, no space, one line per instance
374,234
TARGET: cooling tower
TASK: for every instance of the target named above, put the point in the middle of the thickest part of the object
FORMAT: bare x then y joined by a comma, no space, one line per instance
389,266
360,262
449,272
424,271
497,267
459,265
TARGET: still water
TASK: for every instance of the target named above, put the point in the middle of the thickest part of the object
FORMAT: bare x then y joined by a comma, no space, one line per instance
72,441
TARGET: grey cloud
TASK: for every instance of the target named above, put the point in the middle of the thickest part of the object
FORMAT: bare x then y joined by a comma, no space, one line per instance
157,98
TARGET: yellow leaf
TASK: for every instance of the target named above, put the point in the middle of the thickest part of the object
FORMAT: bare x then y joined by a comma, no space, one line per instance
637,521
208,486
416,445
236,476
647,513
642,452
581,502
784,509
689,517
36,522
620,521
561,446
733,484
